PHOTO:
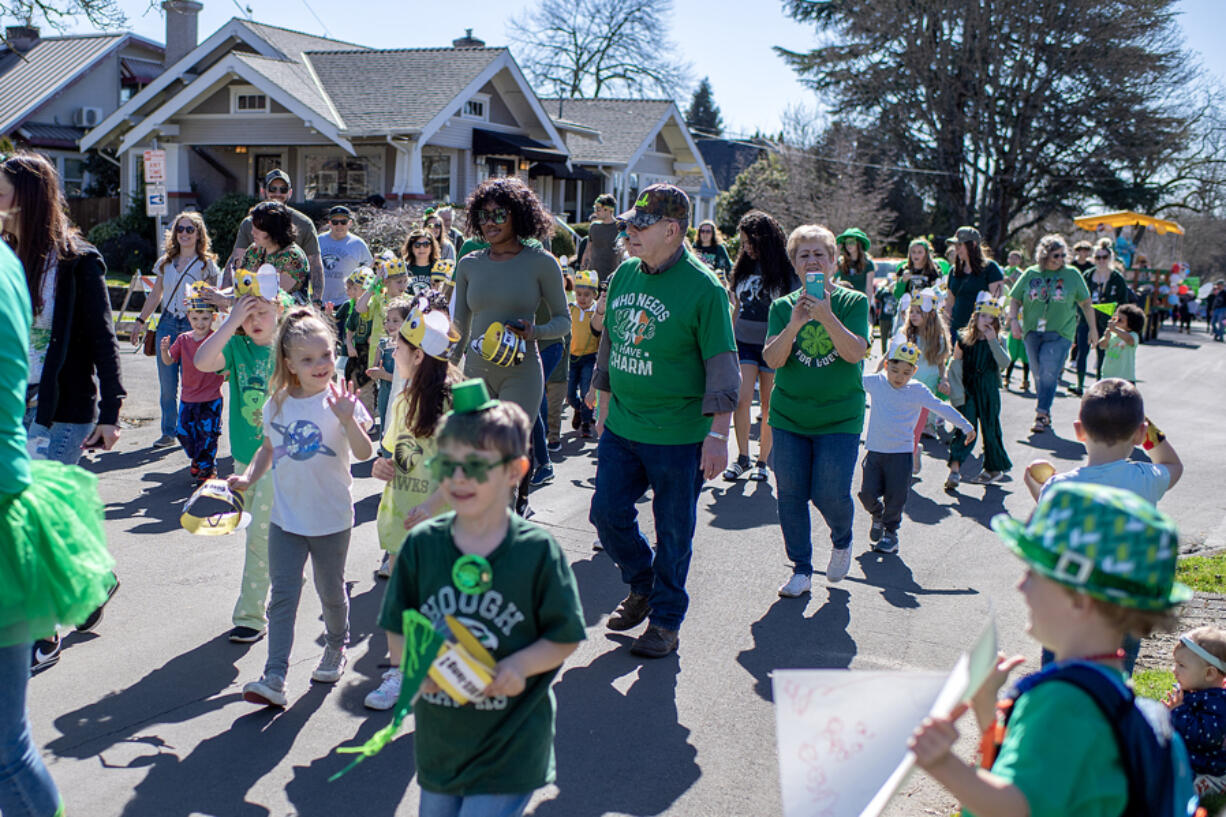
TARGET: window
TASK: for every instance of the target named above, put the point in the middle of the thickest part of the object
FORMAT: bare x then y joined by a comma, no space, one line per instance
477,108
436,176
337,175
247,99
73,176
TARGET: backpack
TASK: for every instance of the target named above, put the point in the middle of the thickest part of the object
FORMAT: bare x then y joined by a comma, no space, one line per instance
1154,758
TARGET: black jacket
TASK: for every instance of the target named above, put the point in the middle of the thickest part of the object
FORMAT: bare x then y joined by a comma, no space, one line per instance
82,343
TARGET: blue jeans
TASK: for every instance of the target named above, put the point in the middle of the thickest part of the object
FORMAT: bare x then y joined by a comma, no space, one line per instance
61,443
624,471
578,381
1046,352
1083,353
551,356
1218,320
434,804
26,787
168,376
815,469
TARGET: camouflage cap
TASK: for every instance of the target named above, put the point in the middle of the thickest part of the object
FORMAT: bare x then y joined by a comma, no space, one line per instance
1105,542
656,202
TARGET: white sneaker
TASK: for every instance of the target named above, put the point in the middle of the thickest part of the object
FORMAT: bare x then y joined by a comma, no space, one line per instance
269,691
840,564
385,696
331,666
796,586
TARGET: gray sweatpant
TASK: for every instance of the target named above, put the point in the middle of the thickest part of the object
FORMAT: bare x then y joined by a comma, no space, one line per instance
287,555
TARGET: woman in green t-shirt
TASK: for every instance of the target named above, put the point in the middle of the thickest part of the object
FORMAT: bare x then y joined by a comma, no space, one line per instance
816,346
710,249
419,252
855,265
1049,295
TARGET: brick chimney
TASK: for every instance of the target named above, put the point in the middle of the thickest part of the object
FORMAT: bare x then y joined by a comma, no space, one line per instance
468,41
181,29
21,38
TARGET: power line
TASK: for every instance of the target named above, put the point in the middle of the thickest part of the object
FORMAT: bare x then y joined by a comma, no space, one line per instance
316,16
246,12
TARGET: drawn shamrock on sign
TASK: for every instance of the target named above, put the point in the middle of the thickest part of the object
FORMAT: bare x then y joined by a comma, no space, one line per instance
814,340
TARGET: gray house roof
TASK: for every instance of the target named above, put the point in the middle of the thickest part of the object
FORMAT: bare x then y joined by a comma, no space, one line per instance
294,43
296,80
624,124
413,84
52,63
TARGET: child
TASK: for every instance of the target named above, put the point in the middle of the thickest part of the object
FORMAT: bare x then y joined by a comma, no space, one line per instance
1060,755
1198,705
242,349
355,285
310,428
925,328
384,371
886,305
981,357
525,608
897,401
1120,340
1016,347
586,324
200,402
423,353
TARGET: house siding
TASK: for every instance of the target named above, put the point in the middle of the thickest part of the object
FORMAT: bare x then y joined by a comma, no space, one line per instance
654,165
97,88
253,130
499,113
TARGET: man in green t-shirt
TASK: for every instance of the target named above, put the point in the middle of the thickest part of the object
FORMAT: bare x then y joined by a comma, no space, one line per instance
668,379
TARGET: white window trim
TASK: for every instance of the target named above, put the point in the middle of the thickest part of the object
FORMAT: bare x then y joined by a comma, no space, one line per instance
484,99
248,90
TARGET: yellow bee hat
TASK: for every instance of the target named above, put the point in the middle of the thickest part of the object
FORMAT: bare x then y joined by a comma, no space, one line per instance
431,331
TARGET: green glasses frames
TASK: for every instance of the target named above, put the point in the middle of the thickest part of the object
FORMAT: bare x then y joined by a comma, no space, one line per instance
498,215
443,467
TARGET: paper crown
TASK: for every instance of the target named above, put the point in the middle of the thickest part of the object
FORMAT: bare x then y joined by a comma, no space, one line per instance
361,277
470,396
263,283
431,331
586,278
926,298
394,266
501,346
230,518
906,352
195,296
442,270
985,304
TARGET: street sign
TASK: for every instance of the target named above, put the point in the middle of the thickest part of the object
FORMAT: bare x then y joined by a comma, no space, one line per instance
155,200
155,166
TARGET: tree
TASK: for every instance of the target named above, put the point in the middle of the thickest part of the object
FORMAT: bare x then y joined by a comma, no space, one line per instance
703,114
101,14
1010,111
586,48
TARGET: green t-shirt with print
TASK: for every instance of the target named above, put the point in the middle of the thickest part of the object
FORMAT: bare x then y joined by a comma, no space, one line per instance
816,391
374,313
662,327
249,366
1120,359
1061,753
413,482
359,323
500,745
1049,299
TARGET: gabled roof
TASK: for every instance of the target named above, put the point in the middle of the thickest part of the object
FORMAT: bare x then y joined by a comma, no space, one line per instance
292,44
296,79
624,125
413,85
52,64
727,158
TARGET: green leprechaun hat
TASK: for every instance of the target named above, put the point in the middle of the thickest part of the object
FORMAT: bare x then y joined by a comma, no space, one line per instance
469,396
1105,542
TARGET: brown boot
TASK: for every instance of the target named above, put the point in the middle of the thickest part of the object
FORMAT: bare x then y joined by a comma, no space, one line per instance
656,642
630,613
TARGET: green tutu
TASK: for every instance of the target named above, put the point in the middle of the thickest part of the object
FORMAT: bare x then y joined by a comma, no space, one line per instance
1017,350
54,565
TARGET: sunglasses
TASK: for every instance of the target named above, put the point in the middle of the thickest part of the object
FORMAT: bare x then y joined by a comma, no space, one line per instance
475,468
1101,257
185,228
706,230
339,221
278,189
1056,254
417,244
498,215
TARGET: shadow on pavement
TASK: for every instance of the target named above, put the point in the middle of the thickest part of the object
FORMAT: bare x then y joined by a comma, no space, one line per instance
183,688
155,509
216,776
136,458
898,586
982,510
618,752
600,586
742,505
924,511
785,639
1061,447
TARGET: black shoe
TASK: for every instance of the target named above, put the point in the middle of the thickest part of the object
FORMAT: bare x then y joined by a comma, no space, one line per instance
246,635
656,642
46,653
1077,390
585,431
630,613
875,530
95,618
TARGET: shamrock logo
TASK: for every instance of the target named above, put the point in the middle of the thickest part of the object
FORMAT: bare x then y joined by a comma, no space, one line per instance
253,407
642,202
814,340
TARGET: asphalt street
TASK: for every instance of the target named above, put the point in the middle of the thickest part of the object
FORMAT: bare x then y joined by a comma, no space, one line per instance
145,718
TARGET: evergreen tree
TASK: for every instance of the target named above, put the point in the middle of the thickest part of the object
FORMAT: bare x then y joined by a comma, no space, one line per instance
703,114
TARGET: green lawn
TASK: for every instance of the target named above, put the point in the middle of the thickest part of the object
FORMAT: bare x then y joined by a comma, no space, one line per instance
1153,683
1204,573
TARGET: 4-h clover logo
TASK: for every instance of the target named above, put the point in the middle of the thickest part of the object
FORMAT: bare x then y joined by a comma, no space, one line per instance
814,340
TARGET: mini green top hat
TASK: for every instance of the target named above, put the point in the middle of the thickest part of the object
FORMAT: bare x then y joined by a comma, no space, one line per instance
470,396
1105,542
857,234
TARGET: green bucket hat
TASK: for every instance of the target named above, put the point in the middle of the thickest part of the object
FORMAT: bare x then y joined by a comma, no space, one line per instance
1105,542
470,396
856,233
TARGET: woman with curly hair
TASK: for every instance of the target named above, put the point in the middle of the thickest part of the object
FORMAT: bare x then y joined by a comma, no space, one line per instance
710,249
272,242
419,252
1048,296
762,273
187,257
507,282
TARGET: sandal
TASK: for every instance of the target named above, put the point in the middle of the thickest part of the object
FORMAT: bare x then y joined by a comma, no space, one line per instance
733,472
760,473
1041,423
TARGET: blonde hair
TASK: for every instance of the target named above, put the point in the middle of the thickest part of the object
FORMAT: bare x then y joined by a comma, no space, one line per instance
1129,620
299,324
171,248
1210,639
970,335
1046,244
812,232
932,336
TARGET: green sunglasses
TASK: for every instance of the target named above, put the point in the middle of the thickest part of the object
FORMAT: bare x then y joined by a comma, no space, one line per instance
498,215
443,467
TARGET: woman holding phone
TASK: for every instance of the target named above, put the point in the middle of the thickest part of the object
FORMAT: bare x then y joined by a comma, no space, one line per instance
816,339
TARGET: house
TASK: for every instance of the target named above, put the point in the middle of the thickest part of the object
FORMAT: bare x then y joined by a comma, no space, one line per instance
346,122
628,144
53,89
728,157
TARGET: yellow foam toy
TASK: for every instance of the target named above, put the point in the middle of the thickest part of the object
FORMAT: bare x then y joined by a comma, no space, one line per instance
463,667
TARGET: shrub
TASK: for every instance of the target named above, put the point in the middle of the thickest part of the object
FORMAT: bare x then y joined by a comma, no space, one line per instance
562,243
223,218
127,243
386,228
582,228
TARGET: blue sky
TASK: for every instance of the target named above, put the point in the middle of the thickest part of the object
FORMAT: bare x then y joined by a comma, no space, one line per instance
722,38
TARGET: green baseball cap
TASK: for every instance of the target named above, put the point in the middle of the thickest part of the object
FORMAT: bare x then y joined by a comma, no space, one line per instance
857,234
470,396
1105,542
656,202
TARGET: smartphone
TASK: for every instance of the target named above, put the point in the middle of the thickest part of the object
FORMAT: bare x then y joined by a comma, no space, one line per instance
815,285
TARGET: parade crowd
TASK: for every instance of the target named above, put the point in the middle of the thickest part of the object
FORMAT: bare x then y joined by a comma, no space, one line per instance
452,361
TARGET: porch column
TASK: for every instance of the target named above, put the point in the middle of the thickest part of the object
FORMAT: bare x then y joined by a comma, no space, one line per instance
413,180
